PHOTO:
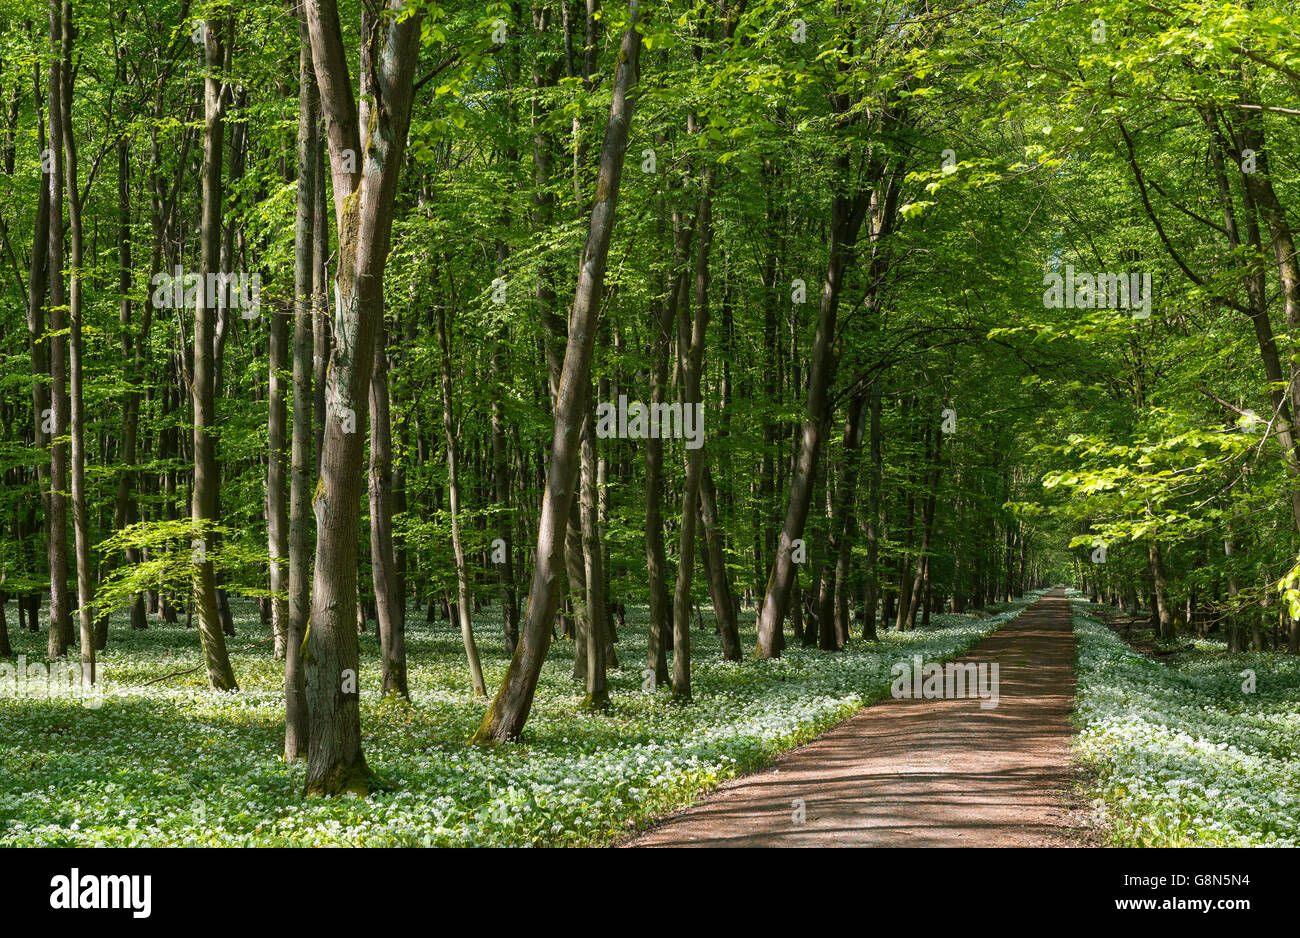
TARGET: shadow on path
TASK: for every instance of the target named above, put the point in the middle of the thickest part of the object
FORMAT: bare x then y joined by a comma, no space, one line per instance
915,772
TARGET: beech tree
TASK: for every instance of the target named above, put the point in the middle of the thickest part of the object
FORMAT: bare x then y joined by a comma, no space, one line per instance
366,141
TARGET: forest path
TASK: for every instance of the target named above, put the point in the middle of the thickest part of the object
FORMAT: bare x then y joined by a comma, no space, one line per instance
922,773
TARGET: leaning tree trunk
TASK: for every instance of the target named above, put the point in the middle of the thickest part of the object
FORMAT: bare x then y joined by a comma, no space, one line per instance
453,491
506,716
847,211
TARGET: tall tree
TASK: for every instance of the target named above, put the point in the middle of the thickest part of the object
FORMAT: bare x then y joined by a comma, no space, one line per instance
509,710
366,144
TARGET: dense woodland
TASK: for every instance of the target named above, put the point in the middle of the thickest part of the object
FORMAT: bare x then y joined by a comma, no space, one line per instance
365,310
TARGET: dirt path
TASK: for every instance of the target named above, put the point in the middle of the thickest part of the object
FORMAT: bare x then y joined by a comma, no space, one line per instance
922,773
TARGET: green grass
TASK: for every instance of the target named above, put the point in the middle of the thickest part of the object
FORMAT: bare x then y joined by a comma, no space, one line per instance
1183,753
177,764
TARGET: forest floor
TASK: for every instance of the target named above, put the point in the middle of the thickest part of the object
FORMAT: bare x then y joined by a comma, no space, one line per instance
161,760
916,772
1188,744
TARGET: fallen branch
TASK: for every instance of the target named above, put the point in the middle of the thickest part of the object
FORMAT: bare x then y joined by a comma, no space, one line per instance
197,667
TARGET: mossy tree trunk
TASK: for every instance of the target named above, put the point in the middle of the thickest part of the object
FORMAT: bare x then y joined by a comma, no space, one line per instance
366,145
508,713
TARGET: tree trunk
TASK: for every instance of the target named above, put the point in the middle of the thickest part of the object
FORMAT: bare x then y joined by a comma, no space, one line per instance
921,582
847,211
1161,613
81,521
363,202
304,247
691,359
509,711
724,604
60,634
597,631
656,555
277,457
203,505
871,588
453,490
501,495
845,525
390,604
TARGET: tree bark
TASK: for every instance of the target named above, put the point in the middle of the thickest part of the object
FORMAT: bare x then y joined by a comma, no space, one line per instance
1160,588
203,506
724,603
845,524
60,630
305,221
365,174
509,711
390,611
691,359
81,520
597,630
656,555
453,490
847,212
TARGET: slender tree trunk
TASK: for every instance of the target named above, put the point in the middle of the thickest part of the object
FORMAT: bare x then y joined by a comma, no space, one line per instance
125,509
920,584
204,494
37,284
308,208
60,634
277,458
597,635
656,555
390,611
453,490
872,586
509,711
81,521
847,210
845,525
691,358
501,494
724,604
